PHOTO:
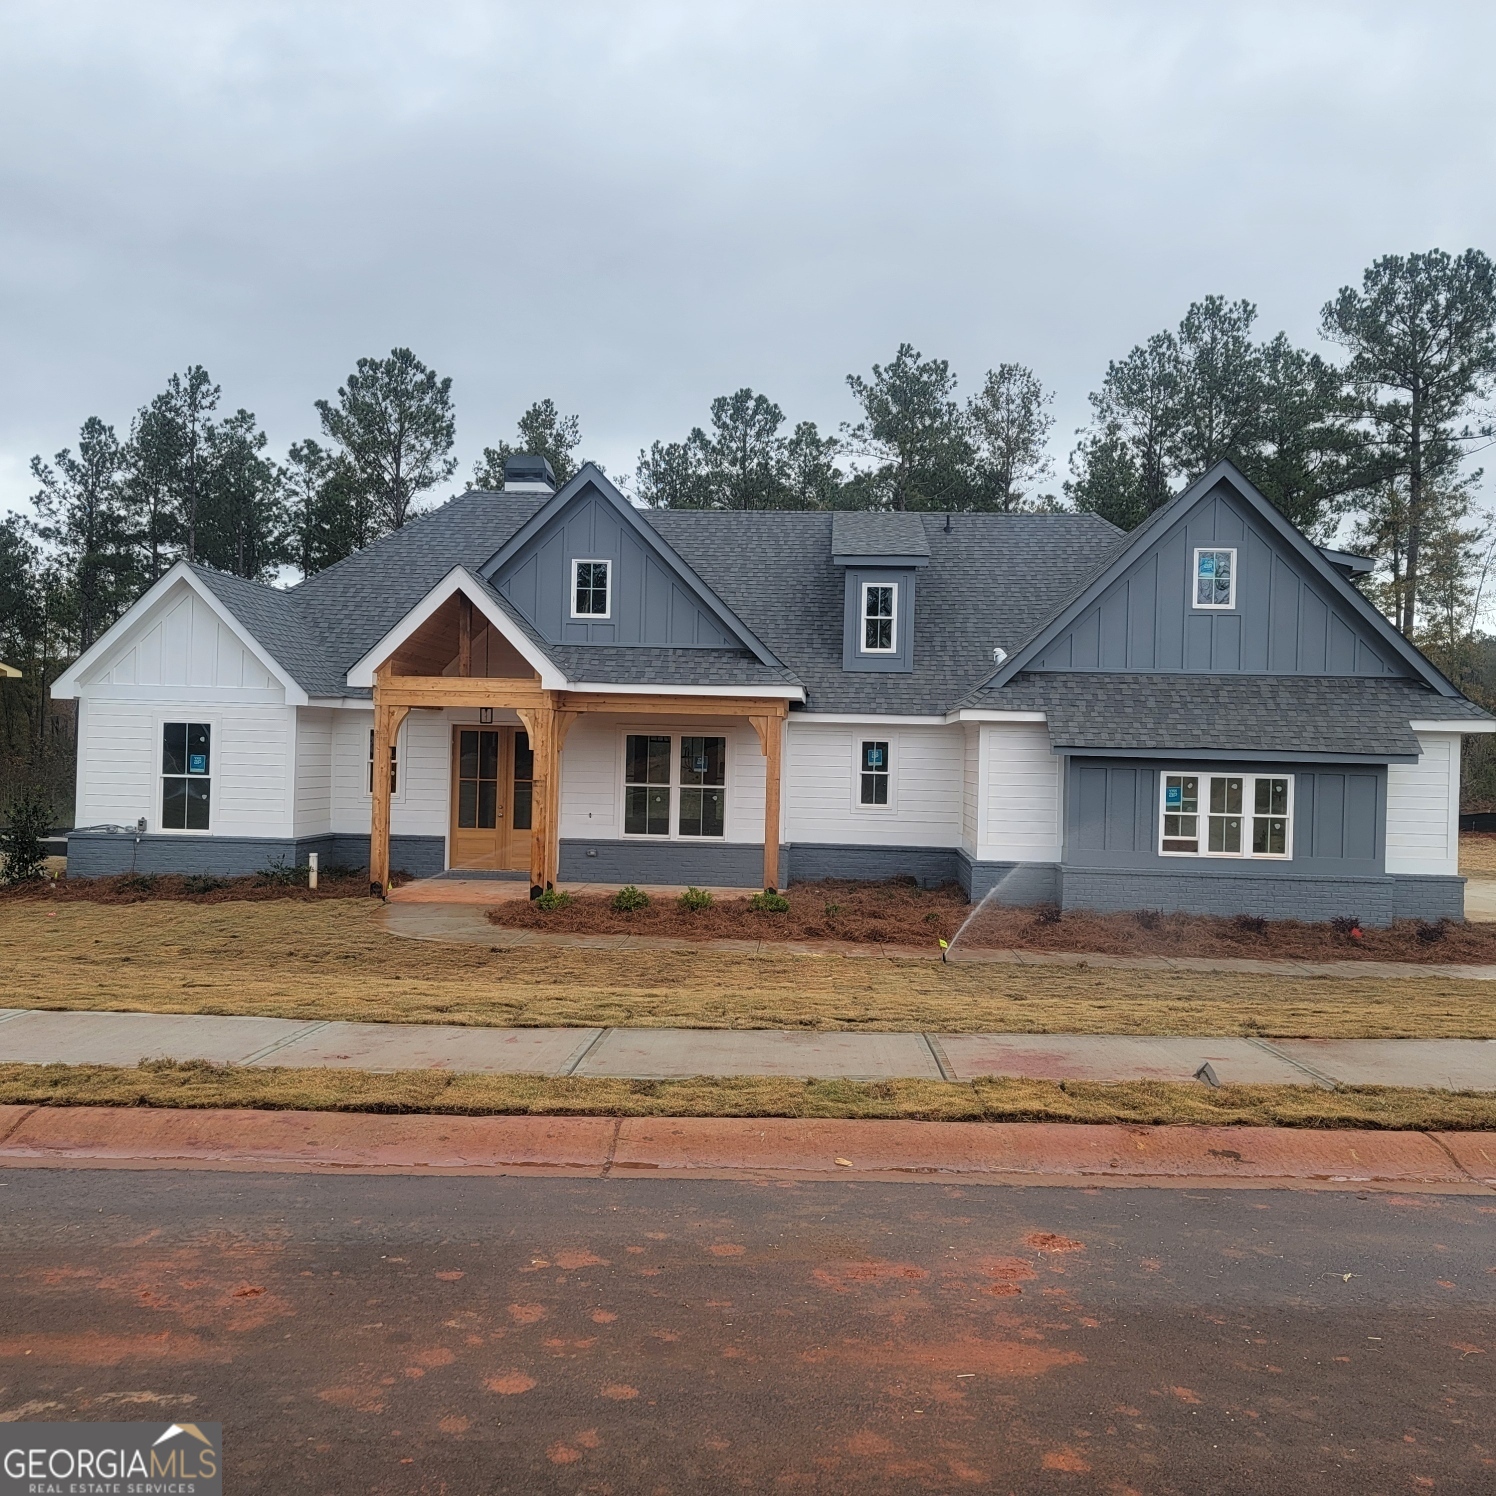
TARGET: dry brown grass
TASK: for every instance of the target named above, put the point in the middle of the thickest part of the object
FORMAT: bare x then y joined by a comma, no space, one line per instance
328,960
1478,854
166,1083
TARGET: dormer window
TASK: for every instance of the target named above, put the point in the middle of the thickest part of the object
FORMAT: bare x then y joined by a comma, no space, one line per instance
879,618
1215,579
590,584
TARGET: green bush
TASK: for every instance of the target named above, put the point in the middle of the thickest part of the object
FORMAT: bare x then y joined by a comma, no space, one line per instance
203,883
695,898
278,873
769,902
553,898
629,898
139,882
28,818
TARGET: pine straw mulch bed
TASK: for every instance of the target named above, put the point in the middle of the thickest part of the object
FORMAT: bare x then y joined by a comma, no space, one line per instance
900,913
190,888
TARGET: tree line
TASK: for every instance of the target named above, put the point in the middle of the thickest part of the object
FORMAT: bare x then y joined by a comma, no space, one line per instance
1369,439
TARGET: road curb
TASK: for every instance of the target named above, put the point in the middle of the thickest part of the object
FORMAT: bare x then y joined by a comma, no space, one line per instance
748,1149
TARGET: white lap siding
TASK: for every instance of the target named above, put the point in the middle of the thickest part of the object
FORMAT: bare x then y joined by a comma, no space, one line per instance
1423,809
1019,794
313,794
927,771
119,763
592,775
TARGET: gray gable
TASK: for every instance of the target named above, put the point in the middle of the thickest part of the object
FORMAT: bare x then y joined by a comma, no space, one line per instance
1287,619
651,604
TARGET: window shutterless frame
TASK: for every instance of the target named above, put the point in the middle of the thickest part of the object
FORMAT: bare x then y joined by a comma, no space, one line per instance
879,618
1213,578
1204,813
186,776
675,785
874,774
591,589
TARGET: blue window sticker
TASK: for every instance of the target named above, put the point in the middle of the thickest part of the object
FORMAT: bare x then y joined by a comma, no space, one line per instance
197,763
1174,794
1207,565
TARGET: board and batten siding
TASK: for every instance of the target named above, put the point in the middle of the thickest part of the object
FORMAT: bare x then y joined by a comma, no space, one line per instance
926,792
1018,794
592,775
1423,808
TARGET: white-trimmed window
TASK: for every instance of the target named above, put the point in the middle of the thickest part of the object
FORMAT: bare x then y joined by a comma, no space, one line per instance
394,764
186,775
686,774
1215,579
873,769
880,624
591,589
1226,815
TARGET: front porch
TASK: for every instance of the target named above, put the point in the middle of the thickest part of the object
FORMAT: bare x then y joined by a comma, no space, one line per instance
511,714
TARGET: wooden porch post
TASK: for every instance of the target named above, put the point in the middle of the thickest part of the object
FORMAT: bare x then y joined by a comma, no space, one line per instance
540,724
771,739
387,720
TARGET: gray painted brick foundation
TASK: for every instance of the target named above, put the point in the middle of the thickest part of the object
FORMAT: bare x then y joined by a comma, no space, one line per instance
929,866
1024,885
703,864
1376,900
103,854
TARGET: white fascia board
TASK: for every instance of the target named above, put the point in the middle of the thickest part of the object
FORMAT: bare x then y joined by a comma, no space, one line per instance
869,719
1465,724
459,579
343,703
66,686
757,693
973,714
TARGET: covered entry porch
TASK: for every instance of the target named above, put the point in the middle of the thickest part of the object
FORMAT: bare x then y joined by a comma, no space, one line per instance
513,715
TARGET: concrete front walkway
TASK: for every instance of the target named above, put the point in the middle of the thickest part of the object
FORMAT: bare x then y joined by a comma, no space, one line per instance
37,1037
466,924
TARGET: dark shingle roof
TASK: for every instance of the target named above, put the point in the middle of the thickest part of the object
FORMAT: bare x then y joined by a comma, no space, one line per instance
869,533
991,579
1355,716
636,665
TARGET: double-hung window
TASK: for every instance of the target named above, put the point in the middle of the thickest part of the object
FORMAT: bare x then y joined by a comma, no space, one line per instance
1227,815
394,764
880,601
186,775
688,774
873,774
589,592
1215,579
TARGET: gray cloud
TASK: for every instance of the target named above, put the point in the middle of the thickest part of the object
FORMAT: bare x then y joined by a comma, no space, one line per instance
632,208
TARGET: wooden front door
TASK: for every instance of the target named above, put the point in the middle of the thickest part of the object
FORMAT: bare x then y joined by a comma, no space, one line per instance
492,798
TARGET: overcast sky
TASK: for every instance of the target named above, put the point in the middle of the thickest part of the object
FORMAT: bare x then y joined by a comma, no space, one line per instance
633,208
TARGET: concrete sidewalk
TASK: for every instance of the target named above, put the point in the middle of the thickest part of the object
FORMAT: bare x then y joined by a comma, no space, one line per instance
754,1149
39,1038
467,924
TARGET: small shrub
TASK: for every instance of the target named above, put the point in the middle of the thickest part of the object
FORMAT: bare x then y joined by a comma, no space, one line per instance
1048,915
553,898
769,902
695,898
832,910
139,882
1250,924
933,917
278,873
1148,918
629,898
22,853
203,883
1348,925
1429,934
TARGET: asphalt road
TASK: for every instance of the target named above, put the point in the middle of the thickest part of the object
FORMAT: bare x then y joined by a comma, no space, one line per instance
393,1334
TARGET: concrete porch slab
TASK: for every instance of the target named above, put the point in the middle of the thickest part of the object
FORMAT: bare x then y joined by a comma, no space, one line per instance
669,1054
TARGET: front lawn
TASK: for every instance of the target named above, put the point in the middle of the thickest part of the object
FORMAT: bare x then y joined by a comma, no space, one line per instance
328,959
